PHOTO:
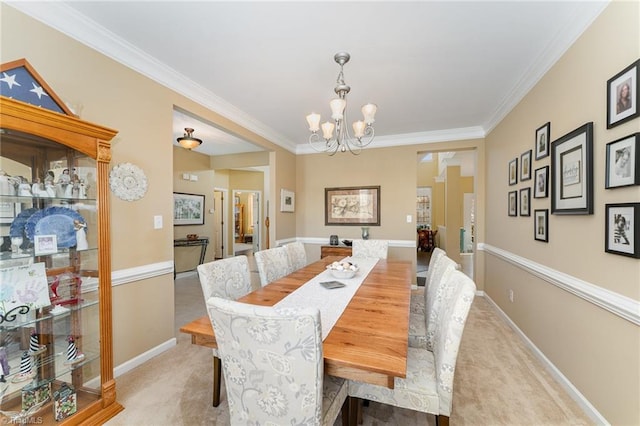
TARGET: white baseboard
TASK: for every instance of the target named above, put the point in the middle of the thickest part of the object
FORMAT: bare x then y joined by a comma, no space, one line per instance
144,357
573,392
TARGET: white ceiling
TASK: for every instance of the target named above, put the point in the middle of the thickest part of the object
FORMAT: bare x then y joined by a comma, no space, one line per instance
437,70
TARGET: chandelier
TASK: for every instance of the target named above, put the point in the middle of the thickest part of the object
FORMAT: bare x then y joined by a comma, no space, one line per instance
363,132
188,141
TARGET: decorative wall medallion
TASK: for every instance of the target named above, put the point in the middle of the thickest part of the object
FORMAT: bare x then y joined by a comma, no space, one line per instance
128,182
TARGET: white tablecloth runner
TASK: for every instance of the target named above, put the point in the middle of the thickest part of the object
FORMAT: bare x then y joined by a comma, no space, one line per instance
330,302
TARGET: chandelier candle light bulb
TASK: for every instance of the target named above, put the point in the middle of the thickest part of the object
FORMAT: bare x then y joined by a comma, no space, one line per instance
363,132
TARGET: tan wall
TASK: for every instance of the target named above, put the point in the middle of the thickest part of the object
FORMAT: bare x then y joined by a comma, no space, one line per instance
141,110
395,170
596,350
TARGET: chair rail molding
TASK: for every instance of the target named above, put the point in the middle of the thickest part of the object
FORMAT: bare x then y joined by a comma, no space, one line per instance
618,304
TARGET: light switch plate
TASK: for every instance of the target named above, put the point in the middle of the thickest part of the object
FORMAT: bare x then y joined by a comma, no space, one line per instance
157,222
409,218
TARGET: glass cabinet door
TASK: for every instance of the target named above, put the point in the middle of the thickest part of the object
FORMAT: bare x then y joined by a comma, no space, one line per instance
49,300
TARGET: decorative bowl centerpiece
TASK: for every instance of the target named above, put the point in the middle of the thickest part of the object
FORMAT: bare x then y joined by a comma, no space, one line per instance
347,243
192,236
343,270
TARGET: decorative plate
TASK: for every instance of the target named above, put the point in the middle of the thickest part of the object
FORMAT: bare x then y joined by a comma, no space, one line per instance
128,182
57,221
17,226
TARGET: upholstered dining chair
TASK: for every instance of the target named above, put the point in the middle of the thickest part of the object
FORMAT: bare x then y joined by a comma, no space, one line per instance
370,248
273,365
428,387
417,295
421,325
229,279
297,255
272,264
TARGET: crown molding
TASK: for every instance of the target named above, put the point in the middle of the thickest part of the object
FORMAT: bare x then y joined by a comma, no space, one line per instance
86,31
557,47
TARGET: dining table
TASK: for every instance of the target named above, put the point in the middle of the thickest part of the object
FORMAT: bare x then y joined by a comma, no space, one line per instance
369,340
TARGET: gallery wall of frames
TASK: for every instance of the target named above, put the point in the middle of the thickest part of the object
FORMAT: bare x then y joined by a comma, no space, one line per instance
568,182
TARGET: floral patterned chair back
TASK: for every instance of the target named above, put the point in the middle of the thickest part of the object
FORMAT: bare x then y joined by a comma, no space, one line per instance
370,248
272,362
227,278
436,296
272,264
297,255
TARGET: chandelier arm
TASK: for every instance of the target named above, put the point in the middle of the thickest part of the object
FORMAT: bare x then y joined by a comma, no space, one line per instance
369,134
320,144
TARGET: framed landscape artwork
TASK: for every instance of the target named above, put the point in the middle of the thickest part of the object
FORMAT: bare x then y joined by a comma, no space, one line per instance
622,95
622,233
622,162
188,209
352,206
572,172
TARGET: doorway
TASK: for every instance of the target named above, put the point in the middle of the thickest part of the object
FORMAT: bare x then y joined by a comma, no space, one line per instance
246,221
445,207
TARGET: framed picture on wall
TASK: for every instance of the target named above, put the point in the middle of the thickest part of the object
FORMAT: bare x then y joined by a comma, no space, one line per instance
622,233
622,95
525,166
188,209
352,206
541,188
513,171
513,203
572,172
622,162
541,225
542,140
287,201
525,202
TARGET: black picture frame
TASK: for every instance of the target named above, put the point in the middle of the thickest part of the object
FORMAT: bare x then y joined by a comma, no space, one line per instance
572,172
543,140
622,229
525,166
188,209
513,171
356,206
619,111
541,184
525,202
512,203
623,159
541,225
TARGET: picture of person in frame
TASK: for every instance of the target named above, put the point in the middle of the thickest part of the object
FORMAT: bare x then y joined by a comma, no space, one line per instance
622,164
624,97
620,230
542,142
541,183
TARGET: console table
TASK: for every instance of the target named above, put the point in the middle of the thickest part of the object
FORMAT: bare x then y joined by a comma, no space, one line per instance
189,242
339,250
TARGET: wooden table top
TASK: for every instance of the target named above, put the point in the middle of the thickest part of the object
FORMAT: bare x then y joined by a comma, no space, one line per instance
370,339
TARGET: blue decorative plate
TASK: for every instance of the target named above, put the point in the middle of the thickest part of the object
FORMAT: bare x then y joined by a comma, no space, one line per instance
56,221
17,226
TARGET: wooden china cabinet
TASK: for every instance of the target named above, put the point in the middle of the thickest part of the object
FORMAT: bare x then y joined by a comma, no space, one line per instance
56,351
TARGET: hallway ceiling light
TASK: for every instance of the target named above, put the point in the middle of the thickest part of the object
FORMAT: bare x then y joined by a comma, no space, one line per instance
363,132
188,141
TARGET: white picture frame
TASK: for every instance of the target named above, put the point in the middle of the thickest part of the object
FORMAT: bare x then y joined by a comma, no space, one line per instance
287,201
45,244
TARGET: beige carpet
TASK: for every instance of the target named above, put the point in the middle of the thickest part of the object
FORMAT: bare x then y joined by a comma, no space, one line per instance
498,381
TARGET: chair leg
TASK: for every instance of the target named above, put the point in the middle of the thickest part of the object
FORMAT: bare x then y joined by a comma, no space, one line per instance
217,373
345,412
354,404
442,421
